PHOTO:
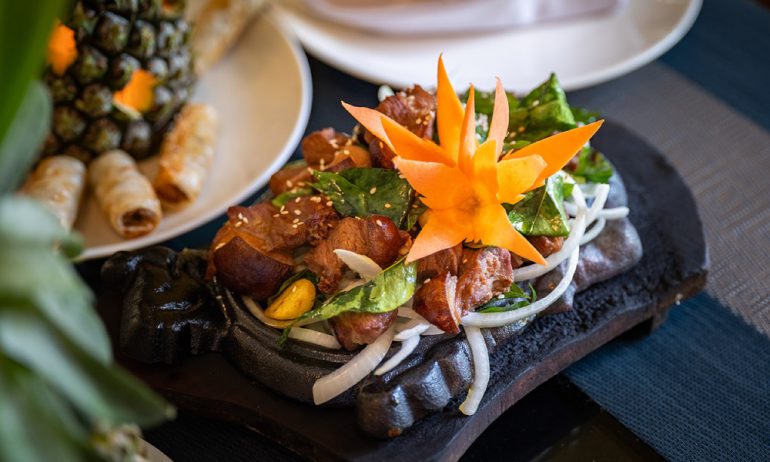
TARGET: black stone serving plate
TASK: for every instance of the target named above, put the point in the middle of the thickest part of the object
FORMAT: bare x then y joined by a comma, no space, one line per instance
673,267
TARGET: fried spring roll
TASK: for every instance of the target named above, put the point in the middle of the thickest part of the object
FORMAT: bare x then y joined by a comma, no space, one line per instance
125,196
216,27
186,156
58,183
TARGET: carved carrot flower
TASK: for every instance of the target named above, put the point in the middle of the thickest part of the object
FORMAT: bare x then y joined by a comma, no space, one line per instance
463,183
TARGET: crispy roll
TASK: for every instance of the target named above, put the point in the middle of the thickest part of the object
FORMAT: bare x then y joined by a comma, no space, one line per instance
58,183
186,155
125,196
216,27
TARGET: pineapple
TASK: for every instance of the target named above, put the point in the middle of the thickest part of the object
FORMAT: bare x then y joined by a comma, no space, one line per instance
118,72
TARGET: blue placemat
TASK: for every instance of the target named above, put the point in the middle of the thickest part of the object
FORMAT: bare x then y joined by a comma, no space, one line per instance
697,389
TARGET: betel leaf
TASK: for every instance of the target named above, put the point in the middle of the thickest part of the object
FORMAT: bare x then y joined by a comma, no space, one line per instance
514,299
584,116
281,199
485,101
548,107
362,192
386,292
415,211
592,167
541,212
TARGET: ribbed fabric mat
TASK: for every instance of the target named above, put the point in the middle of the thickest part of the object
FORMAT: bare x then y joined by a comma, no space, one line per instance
697,389
725,160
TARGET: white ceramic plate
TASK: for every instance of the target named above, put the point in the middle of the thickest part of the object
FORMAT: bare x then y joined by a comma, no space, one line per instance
154,454
262,91
583,51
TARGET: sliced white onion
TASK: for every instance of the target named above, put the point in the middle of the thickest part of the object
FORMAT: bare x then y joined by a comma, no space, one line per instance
413,328
591,234
355,370
433,330
602,192
315,337
361,264
508,317
407,347
570,208
480,370
578,228
614,213
384,91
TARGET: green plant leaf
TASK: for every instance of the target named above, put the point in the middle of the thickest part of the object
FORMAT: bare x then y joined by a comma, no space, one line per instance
281,199
101,392
24,31
362,192
36,424
20,146
541,212
304,274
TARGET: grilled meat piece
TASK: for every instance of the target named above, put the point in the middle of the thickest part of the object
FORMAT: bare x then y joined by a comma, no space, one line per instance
435,301
356,329
319,147
447,260
251,253
546,245
290,177
484,273
415,109
376,237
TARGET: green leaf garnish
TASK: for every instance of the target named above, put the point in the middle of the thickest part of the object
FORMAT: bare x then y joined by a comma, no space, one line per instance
281,199
541,212
592,167
362,192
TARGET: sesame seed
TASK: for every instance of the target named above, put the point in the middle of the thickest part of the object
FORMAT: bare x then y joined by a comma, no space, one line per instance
296,220
240,215
419,120
238,224
315,199
300,223
220,245
276,215
284,212
294,226
521,129
293,289
426,281
334,143
289,183
379,223
387,205
297,212
465,260
329,203
500,297
346,151
535,102
310,169
296,201
373,190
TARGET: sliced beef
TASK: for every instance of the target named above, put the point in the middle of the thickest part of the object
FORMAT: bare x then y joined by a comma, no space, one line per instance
436,301
415,109
447,260
319,147
484,273
290,177
356,329
252,252
376,237
546,245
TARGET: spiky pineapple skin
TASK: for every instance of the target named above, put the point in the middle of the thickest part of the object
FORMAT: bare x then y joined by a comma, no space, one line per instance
114,39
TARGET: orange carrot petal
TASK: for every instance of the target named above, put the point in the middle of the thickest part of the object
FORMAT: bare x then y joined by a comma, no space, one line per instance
558,149
443,230
371,120
449,113
442,186
410,146
485,165
468,134
515,176
492,225
498,127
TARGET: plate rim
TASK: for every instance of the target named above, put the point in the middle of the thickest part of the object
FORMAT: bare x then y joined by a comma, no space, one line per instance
630,64
299,57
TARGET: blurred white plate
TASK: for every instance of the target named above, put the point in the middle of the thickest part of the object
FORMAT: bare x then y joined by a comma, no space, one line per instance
583,51
154,454
262,90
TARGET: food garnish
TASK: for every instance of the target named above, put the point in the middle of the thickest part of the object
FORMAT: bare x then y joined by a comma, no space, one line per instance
463,183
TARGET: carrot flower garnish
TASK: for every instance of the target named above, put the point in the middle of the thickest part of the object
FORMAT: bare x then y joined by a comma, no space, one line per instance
464,184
